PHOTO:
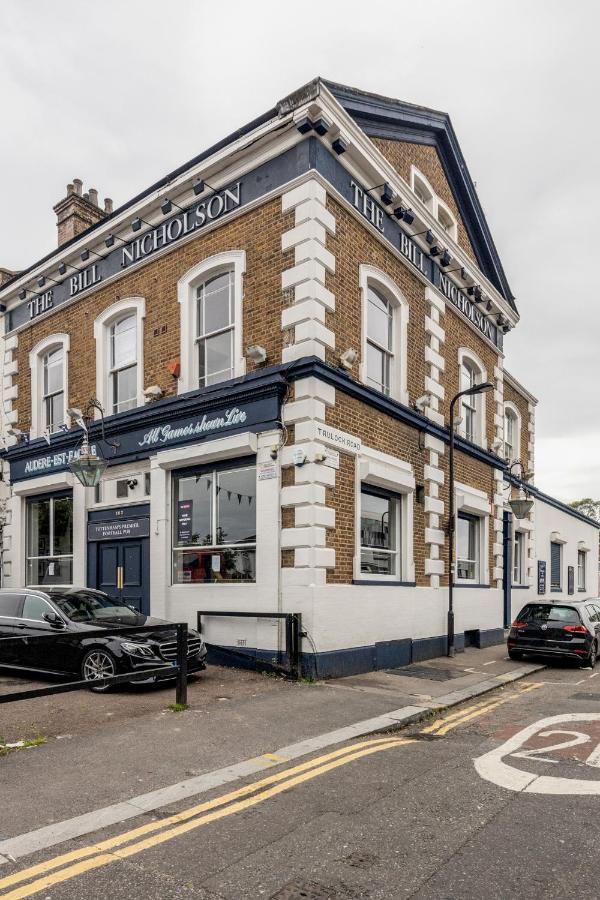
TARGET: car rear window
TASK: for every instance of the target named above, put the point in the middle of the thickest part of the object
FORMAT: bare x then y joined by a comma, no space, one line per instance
10,605
542,612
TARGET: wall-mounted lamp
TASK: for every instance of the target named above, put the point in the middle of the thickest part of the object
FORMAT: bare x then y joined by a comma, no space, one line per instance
348,358
434,250
421,403
257,353
387,194
446,259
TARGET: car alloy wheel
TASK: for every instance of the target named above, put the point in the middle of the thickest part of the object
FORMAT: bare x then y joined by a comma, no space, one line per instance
98,664
592,658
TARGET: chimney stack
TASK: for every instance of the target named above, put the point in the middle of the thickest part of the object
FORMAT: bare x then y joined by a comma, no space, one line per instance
78,211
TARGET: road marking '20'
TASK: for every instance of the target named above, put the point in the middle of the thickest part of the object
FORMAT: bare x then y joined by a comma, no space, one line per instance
493,767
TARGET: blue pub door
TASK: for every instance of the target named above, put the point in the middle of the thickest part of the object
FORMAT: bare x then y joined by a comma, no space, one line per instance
119,555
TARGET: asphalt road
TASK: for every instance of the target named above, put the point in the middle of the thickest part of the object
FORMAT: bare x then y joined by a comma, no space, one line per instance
460,806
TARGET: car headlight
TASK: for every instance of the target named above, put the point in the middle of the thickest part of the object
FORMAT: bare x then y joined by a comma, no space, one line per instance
137,649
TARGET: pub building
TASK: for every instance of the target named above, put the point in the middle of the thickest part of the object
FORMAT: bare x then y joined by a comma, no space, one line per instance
261,351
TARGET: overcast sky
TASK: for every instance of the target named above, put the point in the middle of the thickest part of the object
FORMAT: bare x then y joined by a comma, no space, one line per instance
119,92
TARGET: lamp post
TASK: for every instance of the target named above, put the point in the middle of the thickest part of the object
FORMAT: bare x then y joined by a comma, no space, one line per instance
469,392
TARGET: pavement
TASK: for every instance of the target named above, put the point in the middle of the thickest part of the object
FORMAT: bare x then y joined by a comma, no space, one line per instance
353,788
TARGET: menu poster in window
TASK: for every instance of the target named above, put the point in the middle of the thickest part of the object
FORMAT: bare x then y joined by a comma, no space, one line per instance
541,576
571,579
184,521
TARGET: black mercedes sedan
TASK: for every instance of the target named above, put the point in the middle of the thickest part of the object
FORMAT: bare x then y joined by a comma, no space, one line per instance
69,614
554,628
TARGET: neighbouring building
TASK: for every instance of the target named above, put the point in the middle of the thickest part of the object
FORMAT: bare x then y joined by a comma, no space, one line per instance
274,333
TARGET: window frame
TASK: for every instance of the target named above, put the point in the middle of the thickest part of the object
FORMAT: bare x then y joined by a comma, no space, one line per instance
371,278
476,522
115,370
187,288
52,498
38,396
452,229
518,541
582,570
397,499
476,403
512,413
103,329
556,588
214,469
420,185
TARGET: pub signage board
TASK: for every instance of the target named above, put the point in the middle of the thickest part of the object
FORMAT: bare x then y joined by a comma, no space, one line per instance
138,443
271,175
541,573
119,529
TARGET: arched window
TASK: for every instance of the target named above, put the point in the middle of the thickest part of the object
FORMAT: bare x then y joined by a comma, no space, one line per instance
119,334
512,434
423,189
385,326
215,327
446,219
380,320
210,298
48,363
123,364
472,412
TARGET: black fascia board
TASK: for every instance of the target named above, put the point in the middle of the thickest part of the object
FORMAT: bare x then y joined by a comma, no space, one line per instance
384,117
162,182
551,501
248,387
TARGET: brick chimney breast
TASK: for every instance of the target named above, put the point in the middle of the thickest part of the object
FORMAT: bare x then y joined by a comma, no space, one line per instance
77,211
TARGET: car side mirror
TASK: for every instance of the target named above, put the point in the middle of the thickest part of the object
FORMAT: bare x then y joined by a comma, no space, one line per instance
53,619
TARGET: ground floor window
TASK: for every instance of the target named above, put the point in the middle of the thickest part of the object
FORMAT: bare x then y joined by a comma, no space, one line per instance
555,566
379,533
518,545
49,540
581,558
467,548
214,524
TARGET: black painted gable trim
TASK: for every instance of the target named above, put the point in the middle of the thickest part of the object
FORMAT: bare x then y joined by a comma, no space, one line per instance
387,118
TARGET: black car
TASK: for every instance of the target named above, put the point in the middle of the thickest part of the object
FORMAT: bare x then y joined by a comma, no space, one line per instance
70,614
570,630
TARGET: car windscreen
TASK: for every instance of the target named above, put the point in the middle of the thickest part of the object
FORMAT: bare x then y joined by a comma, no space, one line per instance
546,612
90,606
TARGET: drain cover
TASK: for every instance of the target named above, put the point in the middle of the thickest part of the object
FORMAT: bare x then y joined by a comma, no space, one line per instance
428,672
305,890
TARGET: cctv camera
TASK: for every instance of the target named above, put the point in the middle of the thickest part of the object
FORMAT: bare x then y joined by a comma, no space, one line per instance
131,483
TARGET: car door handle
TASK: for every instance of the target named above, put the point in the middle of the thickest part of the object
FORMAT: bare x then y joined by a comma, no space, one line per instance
21,625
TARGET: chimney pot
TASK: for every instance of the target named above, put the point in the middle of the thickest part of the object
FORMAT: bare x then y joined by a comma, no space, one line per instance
78,183
94,196
108,205
70,189
86,196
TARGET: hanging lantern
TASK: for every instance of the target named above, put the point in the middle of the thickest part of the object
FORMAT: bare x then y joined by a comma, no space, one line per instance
520,508
88,467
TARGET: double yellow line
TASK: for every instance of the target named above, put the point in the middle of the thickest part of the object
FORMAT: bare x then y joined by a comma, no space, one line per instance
77,862
112,850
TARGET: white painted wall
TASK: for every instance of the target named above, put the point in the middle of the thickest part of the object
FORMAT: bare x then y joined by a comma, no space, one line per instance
572,530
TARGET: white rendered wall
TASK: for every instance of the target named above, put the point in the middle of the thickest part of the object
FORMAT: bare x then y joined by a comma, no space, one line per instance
572,531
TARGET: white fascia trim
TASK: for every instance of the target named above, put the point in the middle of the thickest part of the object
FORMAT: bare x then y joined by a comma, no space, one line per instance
398,376
210,451
219,169
471,500
135,306
375,165
188,311
60,339
518,387
55,482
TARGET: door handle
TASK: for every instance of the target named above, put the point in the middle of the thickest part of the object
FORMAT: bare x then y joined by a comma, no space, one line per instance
120,578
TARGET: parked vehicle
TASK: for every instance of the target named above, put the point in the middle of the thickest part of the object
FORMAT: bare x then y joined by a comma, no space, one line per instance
70,614
570,630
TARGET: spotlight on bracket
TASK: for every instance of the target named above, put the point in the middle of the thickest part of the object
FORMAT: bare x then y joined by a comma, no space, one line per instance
421,403
257,353
387,194
198,187
348,358
446,259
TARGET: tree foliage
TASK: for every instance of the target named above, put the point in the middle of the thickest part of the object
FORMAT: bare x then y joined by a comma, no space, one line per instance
588,507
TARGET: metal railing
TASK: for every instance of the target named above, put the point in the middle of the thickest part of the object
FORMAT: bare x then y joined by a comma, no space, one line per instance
293,638
179,670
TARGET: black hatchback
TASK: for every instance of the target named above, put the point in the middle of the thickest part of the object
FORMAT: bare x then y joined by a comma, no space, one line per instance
69,615
569,630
